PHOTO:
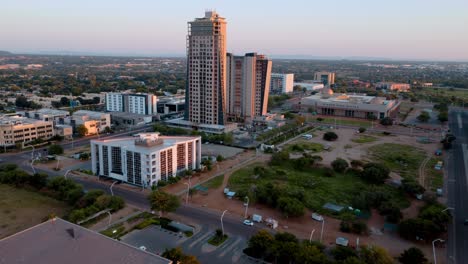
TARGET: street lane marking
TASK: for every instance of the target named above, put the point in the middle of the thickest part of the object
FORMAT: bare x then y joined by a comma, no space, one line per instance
459,119
465,159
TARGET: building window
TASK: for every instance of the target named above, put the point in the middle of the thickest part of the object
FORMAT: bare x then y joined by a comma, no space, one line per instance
116,160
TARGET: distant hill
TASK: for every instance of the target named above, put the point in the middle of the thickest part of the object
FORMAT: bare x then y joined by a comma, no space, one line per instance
4,52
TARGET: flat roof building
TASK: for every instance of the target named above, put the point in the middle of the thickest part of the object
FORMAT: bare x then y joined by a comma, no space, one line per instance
95,122
57,241
281,83
350,105
16,129
145,158
135,103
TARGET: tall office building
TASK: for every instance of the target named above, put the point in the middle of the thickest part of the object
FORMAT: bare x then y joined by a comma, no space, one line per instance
327,78
281,83
248,82
138,103
206,70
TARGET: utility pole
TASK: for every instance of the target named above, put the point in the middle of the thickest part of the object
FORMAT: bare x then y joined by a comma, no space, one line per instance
311,234
321,233
222,226
246,206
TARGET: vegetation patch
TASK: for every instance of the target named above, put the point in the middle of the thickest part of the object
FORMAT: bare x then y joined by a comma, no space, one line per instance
436,177
302,146
218,238
403,159
21,209
337,121
288,188
214,183
364,139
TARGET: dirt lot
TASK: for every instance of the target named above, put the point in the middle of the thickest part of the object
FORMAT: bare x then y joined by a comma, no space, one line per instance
215,150
21,209
64,162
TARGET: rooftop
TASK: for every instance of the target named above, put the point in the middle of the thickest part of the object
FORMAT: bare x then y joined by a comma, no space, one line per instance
147,140
350,99
89,113
17,120
48,111
59,241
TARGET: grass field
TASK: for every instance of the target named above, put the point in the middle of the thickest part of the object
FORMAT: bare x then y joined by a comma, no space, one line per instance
214,183
317,188
302,145
436,177
403,159
349,122
458,93
364,139
21,209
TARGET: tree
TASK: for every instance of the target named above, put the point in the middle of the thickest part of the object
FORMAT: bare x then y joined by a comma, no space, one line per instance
55,150
177,256
340,165
219,158
107,130
342,253
412,255
290,206
386,121
362,130
375,173
64,101
82,130
261,243
375,255
330,136
300,120
443,116
163,202
411,186
279,158
424,117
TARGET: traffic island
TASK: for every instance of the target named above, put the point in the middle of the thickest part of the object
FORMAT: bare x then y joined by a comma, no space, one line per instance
218,238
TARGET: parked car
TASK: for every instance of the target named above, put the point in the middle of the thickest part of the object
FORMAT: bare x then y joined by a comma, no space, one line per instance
143,248
317,217
438,152
248,222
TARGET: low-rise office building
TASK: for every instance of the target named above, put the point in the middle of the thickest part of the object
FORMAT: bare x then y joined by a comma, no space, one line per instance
327,78
15,129
47,114
120,119
145,158
95,122
65,131
57,241
350,105
391,86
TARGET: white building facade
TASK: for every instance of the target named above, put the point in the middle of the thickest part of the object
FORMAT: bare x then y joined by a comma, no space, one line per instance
281,83
145,159
138,103
95,122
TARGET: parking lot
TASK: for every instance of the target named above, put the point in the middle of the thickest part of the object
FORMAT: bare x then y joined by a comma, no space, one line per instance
156,240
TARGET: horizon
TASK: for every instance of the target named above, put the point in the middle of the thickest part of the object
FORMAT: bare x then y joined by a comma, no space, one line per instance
429,31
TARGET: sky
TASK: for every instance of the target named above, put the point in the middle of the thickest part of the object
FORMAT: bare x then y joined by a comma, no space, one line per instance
396,29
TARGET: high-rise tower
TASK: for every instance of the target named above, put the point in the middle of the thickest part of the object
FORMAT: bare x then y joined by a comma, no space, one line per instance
206,70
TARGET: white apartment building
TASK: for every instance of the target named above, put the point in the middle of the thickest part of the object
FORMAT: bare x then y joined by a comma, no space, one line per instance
146,158
281,83
95,122
16,129
138,103
114,102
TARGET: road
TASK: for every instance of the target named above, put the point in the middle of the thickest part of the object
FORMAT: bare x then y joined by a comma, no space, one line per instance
457,184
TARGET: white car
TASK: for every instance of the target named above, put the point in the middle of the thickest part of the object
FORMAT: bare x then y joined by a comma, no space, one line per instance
248,222
317,217
143,248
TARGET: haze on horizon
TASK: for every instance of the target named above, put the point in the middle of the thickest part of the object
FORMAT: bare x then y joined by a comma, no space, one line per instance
399,29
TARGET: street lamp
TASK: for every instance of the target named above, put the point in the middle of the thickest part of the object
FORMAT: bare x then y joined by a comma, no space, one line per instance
66,173
110,219
433,248
188,190
448,208
112,193
321,233
246,206
311,234
222,226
